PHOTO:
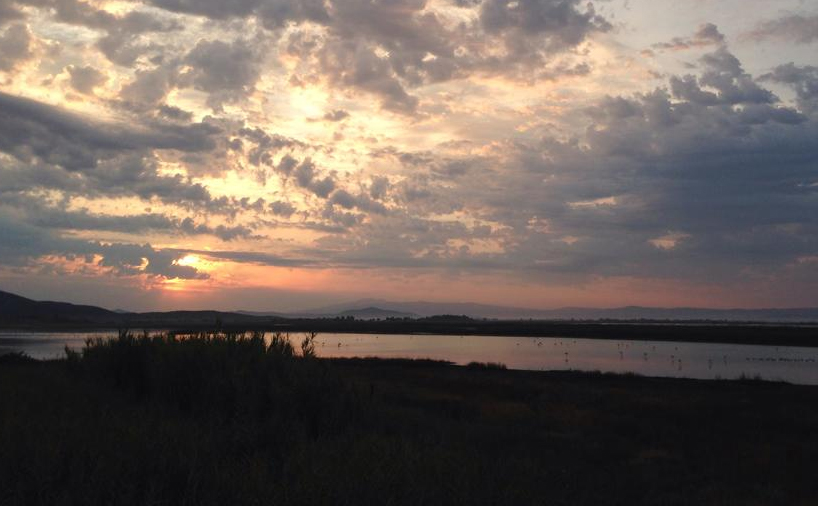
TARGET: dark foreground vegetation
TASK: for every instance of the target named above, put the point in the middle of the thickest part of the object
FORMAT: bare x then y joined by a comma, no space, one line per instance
230,419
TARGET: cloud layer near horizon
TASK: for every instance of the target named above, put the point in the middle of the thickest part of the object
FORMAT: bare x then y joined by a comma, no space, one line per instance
335,146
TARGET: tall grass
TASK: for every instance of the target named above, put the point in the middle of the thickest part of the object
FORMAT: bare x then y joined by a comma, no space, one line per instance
222,374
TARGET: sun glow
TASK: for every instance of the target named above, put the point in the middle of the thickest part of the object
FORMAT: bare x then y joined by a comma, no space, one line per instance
178,284
189,261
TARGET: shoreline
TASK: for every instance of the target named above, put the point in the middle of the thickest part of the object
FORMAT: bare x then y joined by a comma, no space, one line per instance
759,334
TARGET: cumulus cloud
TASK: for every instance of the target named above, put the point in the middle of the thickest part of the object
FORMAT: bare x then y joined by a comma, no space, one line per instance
355,64
389,48
803,79
306,175
122,43
15,46
336,115
722,168
560,21
85,79
281,208
723,82
227,72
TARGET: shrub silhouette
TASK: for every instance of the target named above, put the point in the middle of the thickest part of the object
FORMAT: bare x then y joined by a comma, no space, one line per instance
228,375
487,365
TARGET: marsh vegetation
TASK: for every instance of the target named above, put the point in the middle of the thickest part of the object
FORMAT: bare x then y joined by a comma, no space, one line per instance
221,418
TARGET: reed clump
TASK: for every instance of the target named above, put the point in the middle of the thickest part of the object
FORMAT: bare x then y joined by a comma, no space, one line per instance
229,375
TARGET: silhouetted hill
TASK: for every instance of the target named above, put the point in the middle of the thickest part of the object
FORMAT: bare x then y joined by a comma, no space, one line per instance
16,309
631,313
205,318
371,313
20,311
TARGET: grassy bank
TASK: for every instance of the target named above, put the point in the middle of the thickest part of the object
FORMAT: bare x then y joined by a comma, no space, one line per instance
230,419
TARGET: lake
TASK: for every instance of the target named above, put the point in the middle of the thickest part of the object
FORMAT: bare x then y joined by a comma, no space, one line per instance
648,358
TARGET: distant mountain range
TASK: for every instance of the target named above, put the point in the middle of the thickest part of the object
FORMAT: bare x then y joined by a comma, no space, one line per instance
355,310
426,309
17,310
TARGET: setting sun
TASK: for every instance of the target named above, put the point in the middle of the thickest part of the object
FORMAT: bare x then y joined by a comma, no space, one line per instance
188,261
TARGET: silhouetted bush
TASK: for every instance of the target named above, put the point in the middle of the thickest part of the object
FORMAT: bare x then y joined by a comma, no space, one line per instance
16,358
487,365
229,375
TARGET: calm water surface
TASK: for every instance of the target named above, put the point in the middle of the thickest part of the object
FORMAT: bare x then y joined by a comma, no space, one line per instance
648,358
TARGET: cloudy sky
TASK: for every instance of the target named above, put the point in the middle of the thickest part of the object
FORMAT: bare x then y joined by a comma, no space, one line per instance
281,154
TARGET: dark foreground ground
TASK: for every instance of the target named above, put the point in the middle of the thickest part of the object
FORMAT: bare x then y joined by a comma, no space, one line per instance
230,420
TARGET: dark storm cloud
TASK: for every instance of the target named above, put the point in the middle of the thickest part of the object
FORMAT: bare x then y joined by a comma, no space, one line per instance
795,28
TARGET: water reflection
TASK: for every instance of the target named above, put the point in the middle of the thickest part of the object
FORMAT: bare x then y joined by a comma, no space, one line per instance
648,358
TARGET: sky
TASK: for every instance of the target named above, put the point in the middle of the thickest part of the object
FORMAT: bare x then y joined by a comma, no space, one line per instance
286,154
